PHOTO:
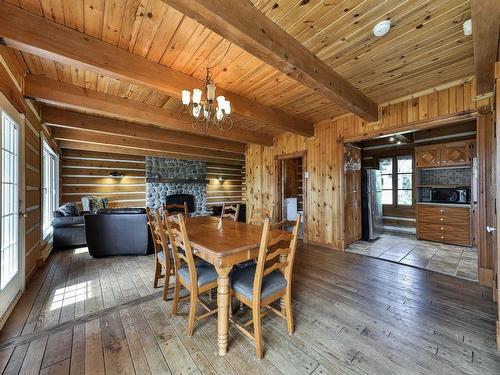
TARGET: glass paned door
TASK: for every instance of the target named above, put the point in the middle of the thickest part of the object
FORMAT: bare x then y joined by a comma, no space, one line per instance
10,279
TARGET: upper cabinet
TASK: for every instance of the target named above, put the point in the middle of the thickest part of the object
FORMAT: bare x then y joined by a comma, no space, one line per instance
445,154
428,156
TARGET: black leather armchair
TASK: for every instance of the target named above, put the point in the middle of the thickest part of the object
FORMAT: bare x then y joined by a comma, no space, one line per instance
69,231
118,232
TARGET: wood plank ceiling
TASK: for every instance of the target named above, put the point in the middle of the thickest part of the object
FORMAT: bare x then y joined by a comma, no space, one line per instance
426,47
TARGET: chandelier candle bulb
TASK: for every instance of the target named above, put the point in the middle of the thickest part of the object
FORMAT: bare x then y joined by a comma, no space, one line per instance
186,97
197,96
220,102
210,92
227,107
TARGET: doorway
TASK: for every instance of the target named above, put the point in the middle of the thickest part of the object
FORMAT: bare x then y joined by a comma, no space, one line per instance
11,234
291,194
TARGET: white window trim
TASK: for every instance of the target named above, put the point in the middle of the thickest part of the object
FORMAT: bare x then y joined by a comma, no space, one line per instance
47,230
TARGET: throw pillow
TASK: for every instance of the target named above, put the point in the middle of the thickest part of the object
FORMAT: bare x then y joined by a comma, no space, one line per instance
69,209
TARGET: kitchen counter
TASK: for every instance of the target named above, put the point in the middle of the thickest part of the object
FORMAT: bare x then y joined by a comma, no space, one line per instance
445,204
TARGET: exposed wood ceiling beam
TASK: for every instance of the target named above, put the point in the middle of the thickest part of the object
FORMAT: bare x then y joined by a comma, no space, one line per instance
34,34
54,92
243,24
74,145
184,152
485,36
75,120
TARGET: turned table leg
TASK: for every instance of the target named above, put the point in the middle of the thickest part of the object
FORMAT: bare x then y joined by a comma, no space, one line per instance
223,307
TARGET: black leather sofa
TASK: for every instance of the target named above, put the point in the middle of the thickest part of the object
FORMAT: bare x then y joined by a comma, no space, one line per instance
119,231
69,231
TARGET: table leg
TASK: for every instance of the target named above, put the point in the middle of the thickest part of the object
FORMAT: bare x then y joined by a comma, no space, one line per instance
223,307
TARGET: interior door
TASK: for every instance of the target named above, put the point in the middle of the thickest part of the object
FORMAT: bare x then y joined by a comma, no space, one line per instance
10,244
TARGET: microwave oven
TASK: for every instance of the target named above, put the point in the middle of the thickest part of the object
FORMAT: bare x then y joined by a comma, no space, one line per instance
446,195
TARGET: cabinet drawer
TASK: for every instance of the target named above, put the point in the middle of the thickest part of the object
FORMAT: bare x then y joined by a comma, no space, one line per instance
452,236
445,228
444,215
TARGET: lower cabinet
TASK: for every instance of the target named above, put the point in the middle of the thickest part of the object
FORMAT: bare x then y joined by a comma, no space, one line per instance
444,224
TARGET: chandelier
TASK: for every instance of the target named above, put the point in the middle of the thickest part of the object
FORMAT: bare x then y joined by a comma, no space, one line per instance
207,111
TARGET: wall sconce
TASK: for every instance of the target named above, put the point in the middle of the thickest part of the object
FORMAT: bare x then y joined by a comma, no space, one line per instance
221,179
116,174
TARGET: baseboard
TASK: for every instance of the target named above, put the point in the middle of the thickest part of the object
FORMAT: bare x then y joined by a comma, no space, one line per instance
486,277
324,245
13,304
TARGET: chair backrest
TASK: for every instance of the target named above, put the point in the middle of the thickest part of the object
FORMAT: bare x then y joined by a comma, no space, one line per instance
181,247
230,211
155,230
258,215
171,209
276,253
163,239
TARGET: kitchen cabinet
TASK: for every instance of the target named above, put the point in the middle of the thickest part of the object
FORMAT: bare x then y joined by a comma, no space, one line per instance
442,223
445,154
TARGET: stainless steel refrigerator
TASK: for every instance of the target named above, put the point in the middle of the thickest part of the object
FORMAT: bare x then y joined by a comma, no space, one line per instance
371,204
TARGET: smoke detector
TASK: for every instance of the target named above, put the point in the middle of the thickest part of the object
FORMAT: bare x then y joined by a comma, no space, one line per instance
468,27
382,28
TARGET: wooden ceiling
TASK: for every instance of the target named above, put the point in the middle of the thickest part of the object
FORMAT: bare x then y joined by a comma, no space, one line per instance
426,47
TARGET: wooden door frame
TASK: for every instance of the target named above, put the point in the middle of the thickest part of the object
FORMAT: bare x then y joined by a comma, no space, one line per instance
496,289
433,123
279,186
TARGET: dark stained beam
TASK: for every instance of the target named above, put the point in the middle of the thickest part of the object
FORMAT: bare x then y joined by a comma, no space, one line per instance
243,24
28,32
49,91
485,36
58,117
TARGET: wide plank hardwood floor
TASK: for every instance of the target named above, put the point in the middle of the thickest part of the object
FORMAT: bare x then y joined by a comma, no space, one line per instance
354,315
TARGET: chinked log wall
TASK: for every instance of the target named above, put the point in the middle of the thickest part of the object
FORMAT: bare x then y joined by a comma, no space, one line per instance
325,156
88,173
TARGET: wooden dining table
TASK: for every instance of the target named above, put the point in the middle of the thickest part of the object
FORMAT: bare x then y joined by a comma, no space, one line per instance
223,243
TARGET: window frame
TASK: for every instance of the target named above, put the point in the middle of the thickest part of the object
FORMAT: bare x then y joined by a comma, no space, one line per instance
395,174
47,229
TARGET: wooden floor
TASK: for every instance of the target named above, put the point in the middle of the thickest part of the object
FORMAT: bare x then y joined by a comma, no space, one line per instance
354,314
460,261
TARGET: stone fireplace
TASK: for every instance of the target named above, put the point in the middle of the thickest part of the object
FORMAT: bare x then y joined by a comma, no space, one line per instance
166,176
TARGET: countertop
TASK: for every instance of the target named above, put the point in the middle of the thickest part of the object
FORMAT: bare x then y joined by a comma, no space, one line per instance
445,204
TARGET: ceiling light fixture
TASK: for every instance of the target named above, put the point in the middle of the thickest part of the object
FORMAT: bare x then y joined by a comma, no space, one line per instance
467,27
382,28
202,109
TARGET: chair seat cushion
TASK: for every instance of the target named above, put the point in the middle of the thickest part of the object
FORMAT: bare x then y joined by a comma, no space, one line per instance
205,273
242,282
161,257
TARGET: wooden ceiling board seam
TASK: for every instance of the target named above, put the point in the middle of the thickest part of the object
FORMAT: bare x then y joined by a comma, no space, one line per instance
192,45
414,45
200,58
93,17
151,19
113,17
179,39
169,25
393,38
32,6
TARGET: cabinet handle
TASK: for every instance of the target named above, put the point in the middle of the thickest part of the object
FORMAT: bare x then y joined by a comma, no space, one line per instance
438,162
442,219
441,210
442,228
444,161
442,237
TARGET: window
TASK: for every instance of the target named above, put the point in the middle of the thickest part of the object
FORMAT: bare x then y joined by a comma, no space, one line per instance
397,180
50,170
386,170
405,180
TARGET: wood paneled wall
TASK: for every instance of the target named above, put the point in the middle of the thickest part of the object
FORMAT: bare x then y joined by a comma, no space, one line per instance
324,210
416,112
35,248
88,173
228,190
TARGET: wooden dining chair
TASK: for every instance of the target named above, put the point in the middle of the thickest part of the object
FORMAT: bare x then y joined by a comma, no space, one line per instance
268,281
197,277
176,208
160,263
257,215
230,211
165,257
